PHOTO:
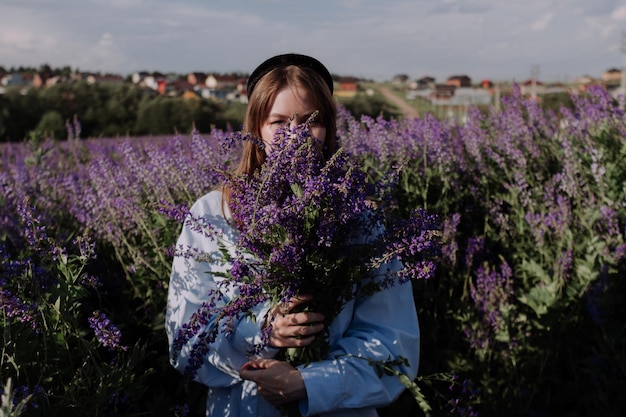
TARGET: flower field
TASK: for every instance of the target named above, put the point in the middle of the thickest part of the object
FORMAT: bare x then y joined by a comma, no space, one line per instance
525,314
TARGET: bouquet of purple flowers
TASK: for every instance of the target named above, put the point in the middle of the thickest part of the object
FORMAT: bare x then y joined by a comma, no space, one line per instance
308,226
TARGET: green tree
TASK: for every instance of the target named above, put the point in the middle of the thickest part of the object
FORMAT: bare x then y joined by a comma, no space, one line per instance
52,125
231,115
120,110
373,106
21,113
164,115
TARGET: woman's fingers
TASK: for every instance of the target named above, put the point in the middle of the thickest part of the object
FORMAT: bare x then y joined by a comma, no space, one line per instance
258,363
294,335
292,327
277,381
296,301
311,322
304,318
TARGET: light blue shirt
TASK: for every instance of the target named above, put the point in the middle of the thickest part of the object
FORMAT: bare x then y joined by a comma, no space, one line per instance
380,327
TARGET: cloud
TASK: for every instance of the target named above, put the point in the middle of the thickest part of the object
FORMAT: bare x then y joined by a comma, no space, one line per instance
619,13
106,40
543,22
486,38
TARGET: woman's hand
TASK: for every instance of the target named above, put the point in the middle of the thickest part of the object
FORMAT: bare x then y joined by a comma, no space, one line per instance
293,329
277,381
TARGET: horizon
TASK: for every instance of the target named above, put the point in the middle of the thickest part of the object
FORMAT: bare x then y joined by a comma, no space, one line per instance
208,72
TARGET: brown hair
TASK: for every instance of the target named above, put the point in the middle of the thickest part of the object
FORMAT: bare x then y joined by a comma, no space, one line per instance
260,103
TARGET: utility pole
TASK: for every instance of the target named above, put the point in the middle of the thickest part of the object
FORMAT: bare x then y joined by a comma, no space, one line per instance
534,74
496,96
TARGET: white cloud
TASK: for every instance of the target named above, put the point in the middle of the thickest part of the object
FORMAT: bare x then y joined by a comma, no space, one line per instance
543,22
619,13
491,38
106,40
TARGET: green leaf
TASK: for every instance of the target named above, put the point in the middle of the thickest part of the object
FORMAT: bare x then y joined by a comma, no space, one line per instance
541,298
297,190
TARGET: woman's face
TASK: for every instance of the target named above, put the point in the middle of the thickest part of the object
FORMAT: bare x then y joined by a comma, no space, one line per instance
291,103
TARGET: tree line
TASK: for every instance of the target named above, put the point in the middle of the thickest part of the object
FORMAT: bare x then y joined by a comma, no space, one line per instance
105,110
126,109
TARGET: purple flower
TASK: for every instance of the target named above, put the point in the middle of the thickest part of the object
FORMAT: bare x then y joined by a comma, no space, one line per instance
106,332
34,231
491,292
91,281
307,226
466,394
20,281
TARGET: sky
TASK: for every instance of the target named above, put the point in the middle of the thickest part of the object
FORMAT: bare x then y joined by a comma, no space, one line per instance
375,39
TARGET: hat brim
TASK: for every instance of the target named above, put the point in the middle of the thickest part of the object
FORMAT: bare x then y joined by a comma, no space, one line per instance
284,60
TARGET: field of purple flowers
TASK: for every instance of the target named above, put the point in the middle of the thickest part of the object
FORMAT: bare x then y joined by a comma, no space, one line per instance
524,316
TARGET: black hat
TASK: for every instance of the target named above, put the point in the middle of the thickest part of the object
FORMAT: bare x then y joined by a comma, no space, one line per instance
284,60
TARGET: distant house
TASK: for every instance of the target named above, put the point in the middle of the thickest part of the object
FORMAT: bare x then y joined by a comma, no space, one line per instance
242,86
104,79
425,83
76,76
584,79
464,96
530,87
486,84
584,82
347,87
443,92
223,87
459,81
152,82
40,79
196,78
400,79
162,86
46,80
138,76
221,82
453,96
612,76
178,88
147,79
16,79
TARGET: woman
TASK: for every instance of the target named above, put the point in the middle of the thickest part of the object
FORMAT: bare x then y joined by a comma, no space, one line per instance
288,89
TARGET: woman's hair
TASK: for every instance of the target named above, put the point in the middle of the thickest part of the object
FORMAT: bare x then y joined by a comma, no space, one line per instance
260,103
262,98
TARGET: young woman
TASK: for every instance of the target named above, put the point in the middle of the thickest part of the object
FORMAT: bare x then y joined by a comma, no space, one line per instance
287,89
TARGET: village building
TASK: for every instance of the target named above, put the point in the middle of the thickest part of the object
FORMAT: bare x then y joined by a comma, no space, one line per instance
197,78
104,79
459,81
424,83
347,87
17,79
442,92
532,88
612,76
